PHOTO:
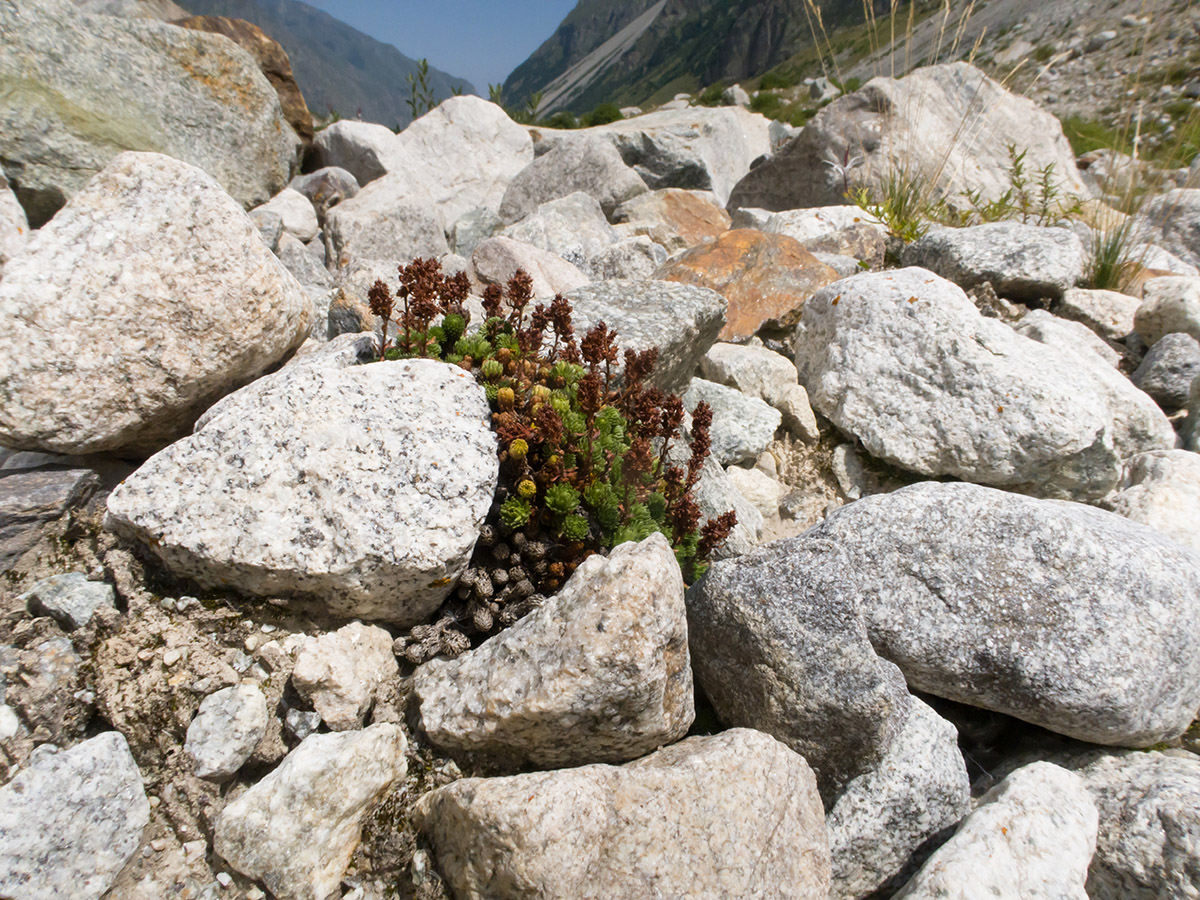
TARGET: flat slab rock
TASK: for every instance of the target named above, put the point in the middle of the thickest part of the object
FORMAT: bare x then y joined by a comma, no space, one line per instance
735,815
599,673
361,488
1067,616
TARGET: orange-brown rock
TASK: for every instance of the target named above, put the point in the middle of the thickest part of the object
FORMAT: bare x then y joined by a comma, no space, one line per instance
673,217
766,278
272,60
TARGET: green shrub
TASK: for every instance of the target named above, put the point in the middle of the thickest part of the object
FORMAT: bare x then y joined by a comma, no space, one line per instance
774,81
1043,52
602,115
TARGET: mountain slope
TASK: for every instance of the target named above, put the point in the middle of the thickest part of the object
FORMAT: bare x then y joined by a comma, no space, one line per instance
680,44
337,67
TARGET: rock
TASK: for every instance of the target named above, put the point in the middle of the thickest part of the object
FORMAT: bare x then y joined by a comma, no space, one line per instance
340,673
750,368
846,230
325,483
735,95
778,645
572,227
70,599
472,229
1049,329
1169,306
305,267
497,259
591,165
742,426
363,149
1172,220
886,815
599,673
715,495
1190,433
676,218
296,829
326,188
270,227
1162,490
680,320
227,728
152,253
763,491
296,213
766,278
960,584
739,811
31,501
1149,833
753,218
14,228
632,259
1026,416
798,415
48,691
1031,838
949,124
1108,313
1023,262
380,224
70,820
1168,370
86,88
272,61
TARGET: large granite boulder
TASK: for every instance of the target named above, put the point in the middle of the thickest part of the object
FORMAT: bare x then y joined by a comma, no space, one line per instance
1169,306
497,259
735,815
384,223
361,489
1162,490
363,149
14,227
146,299
675,218
598,673
905,362
1168,370
949,124
1067,616
1172,221
589,164
78,89
573,227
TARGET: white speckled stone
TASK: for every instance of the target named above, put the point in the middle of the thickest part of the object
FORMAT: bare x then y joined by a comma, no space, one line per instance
340,672
1169,305
742,426
1031,838
360,488
599,673
297,213
296,830
70,820
1162,490
14,229
734,816
148,297
227,728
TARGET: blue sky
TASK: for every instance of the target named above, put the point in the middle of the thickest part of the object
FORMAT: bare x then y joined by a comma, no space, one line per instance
480,40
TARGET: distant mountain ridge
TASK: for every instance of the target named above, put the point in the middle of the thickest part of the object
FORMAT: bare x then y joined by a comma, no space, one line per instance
685,43
337,67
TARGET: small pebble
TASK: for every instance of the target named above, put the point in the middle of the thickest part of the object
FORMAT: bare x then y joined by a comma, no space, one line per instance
254,894
145,655
225,879
267,629
251,643
168,604
158,845
155,801
172,656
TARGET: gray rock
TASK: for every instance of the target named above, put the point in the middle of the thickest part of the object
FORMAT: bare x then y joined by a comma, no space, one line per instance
472,229
1108,313
675,218
1031,838
1172,220
715,495
1168,370
763,491
363,149
845,230
919,789
742,426
739,812
572,227
296,829
590,164
305,267
301,723
599,673
14,228
1049,329
1024,262
778,644
1169,306
497,259
845,266
340,673
1149,836
30,501
751,368
750,217
1191,427
1162,490
938,122
270,227
379,224
152,253
85,88
990,406
735,95
70,599
632,259
70,820
682,321
326,484
296,212
227,728
960,585
326,188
